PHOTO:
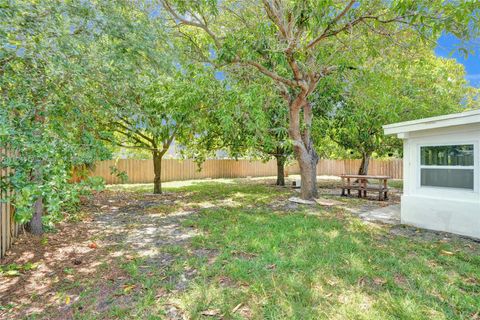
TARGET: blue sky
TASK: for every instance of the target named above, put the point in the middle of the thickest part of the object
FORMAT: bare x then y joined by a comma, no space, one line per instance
448,43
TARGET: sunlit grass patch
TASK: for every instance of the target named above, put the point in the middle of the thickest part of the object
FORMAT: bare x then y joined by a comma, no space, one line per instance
253,254
397,184
294,265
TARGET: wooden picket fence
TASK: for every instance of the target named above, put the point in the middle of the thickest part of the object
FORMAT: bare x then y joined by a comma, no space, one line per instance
392,167
8,227
141,171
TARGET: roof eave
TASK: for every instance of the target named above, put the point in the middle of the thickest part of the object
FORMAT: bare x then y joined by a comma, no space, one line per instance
456,119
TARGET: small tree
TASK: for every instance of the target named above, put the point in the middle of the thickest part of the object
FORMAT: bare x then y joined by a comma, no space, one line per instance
166,112
264,116
372,97
249,119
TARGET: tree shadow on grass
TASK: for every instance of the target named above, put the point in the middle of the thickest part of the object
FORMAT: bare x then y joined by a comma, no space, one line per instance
240,248
81,267
301,267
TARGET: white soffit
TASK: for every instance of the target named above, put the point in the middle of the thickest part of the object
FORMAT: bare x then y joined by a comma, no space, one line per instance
455,119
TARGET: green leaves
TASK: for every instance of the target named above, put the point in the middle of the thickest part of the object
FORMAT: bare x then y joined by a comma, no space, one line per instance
15,270
74,74
399,85
44,118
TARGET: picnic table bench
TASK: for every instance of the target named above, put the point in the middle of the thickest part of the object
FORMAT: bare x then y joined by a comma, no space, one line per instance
361,184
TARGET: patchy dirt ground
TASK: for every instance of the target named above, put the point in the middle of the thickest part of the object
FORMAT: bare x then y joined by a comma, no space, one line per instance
82,257
85,255
122,243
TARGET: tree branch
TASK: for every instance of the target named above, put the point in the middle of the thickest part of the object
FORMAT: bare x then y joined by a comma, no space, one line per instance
134,131
327,33
197,24
130,136
275,18
268,73
118,144
169,141
273,75
197,48
329,26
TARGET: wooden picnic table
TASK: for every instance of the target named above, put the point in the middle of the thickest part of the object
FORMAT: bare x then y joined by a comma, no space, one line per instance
362,185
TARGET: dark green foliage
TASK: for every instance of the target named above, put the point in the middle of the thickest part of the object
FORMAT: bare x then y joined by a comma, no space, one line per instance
44,114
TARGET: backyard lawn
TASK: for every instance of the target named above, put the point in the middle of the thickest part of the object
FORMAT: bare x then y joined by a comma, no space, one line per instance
237,249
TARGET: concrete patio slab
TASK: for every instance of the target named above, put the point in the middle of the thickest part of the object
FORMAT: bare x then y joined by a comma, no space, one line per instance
388,215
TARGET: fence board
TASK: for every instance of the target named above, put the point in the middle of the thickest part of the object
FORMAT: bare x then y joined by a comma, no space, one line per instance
141,171
8,227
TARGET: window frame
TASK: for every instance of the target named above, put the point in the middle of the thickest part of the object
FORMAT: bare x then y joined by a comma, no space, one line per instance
474,167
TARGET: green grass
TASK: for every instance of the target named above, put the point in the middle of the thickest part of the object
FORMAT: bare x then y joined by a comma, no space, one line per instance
302,267
308,263
397,184
298,266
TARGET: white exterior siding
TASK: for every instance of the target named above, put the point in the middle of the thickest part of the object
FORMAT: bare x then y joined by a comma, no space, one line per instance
456,216
439,208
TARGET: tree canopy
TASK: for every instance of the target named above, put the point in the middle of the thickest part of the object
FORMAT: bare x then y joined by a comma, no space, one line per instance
392,87
40,87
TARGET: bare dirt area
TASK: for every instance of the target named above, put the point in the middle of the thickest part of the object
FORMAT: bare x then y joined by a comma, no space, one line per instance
51,258
83,258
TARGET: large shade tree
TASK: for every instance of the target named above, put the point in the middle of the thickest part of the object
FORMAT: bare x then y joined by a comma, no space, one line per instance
312,39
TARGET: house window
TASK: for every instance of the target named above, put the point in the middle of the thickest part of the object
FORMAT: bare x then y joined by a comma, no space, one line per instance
449,166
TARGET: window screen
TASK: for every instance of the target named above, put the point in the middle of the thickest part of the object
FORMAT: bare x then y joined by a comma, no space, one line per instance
449,178
450,166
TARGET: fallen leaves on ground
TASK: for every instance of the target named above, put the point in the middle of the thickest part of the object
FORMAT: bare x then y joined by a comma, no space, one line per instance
93,245
447,253
211,313
128,288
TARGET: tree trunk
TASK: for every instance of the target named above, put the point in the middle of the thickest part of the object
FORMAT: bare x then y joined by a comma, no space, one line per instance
35,226
157,170
363,170
303,145
307,161
280,170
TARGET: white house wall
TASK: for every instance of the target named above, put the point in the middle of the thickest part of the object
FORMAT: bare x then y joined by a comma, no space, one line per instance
443,209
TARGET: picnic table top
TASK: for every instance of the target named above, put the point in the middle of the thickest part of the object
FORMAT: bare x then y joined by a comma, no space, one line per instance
357,176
